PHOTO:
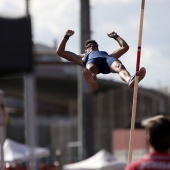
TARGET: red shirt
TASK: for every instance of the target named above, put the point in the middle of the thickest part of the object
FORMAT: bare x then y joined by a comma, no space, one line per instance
154,161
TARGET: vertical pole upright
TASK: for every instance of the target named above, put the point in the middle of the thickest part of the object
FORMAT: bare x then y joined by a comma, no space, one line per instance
2,129
85,126
30,109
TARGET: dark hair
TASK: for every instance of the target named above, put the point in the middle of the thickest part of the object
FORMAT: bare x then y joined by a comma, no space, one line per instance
89,42
158,131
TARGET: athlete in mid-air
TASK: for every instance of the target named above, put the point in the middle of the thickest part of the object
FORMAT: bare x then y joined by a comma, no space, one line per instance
94,61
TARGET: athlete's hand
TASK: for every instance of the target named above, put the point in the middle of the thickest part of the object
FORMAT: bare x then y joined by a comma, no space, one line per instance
69,33
111,35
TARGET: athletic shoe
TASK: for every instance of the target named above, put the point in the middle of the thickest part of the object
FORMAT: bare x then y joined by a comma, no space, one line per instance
142,74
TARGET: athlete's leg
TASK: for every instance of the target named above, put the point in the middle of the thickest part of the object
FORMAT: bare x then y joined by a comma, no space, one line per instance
118,67
89,74
92,67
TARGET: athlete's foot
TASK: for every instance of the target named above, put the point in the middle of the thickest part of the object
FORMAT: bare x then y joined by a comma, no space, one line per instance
91,80
142,74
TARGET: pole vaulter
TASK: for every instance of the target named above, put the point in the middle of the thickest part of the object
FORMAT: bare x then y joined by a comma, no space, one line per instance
136,83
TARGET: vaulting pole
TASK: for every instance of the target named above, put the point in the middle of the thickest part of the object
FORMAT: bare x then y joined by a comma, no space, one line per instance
136,83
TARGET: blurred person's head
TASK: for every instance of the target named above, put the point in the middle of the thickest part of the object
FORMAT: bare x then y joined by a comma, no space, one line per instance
158,134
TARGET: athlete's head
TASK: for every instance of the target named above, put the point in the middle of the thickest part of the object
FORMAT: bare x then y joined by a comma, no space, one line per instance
158,134
91,45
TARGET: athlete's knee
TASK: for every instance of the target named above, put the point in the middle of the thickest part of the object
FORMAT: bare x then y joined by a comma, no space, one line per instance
120,67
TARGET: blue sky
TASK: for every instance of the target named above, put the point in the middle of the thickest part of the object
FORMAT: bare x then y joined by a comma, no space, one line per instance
51,18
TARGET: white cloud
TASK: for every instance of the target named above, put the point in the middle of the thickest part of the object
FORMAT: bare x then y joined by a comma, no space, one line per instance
109,2
53,18
10,8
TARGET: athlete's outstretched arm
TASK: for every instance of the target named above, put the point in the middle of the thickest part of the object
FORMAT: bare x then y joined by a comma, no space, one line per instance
123,45
70,56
